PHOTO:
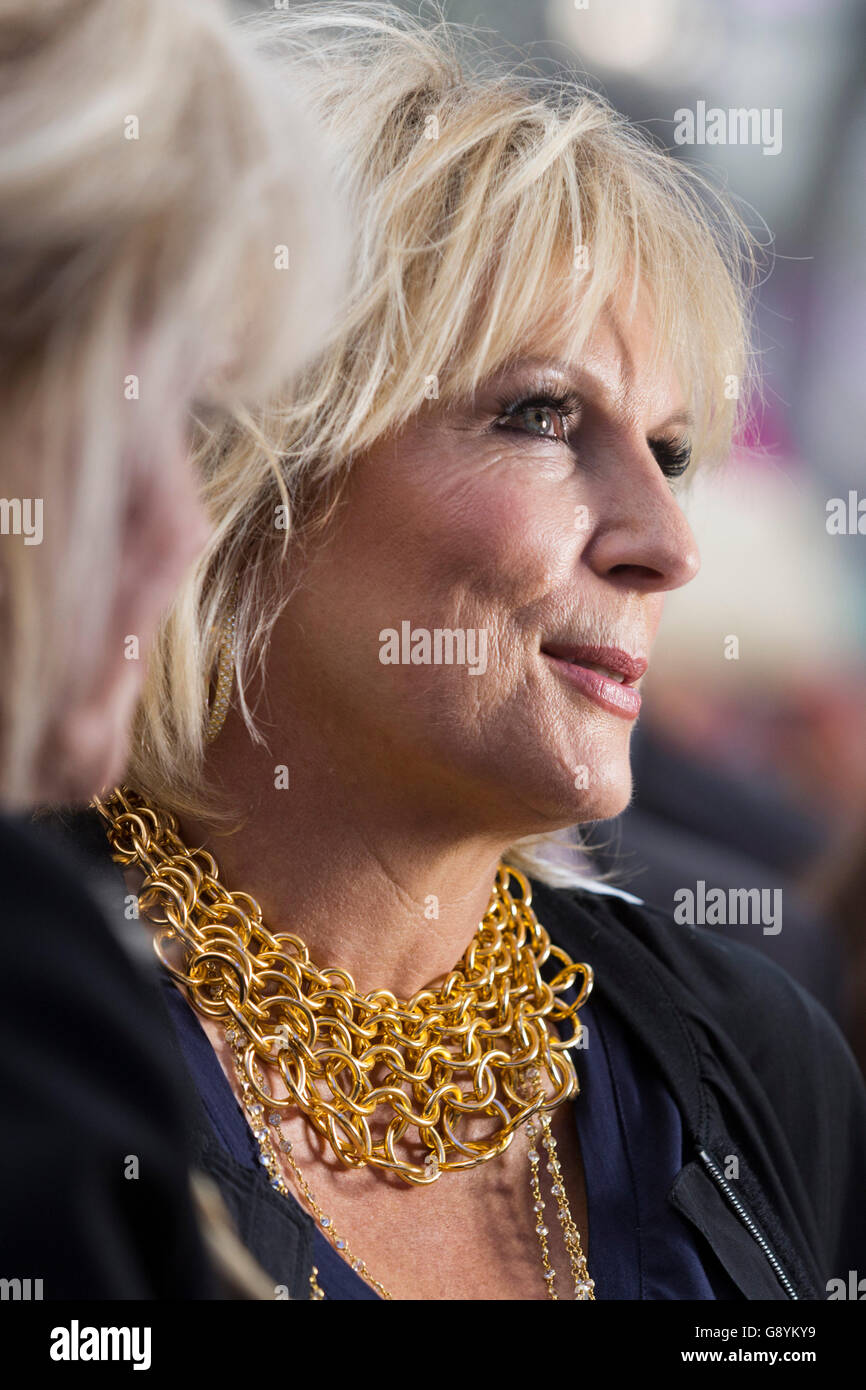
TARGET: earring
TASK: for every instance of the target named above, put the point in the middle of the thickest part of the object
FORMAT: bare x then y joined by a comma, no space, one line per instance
225,677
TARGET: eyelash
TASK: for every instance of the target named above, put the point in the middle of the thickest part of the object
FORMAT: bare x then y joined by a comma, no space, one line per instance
673,456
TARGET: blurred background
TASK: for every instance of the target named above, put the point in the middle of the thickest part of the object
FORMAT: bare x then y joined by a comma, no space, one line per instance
750,756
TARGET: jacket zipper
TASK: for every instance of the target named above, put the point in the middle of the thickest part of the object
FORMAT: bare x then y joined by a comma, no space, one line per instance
722,1183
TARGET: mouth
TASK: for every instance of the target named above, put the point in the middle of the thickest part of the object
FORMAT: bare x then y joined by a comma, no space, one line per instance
605,675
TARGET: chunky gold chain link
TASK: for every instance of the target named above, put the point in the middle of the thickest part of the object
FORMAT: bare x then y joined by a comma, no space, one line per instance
421,1067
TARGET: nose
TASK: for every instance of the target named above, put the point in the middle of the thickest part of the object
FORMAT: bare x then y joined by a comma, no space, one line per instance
640,538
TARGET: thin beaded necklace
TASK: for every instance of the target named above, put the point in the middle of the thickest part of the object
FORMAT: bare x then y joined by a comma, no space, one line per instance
267,1131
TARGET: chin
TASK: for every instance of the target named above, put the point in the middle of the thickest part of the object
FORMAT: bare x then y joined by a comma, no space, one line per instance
75,785
88,757
554,802
604,808
599,803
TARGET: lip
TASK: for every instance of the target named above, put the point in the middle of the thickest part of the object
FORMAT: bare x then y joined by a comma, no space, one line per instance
617,697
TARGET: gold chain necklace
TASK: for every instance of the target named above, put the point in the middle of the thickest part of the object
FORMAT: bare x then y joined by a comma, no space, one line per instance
477,1046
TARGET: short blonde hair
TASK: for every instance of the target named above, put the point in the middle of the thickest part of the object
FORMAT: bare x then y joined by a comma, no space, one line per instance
151,164
471,190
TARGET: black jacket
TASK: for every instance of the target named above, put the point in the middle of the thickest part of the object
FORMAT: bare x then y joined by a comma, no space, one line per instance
94,1189
758,1069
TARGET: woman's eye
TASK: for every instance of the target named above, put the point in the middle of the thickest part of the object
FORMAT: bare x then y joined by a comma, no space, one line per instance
546,421
540,419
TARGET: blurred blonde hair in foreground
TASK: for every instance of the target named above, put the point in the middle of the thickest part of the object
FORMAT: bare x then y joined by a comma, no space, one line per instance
150,168
472,191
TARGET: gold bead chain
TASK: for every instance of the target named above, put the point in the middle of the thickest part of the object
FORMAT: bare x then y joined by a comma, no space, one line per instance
584,1286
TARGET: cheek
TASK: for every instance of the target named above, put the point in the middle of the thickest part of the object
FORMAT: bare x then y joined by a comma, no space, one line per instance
503,542
445,536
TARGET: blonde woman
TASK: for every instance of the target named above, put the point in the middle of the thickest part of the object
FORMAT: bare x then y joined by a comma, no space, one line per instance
151,194
411,654
155,179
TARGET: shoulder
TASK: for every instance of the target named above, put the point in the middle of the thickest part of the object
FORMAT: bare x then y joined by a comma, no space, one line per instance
91,972
71,994
63,896
46,886
84,1054
737,997
734,981
29,854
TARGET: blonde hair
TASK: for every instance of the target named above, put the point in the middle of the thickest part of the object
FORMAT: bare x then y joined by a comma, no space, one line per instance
149,169
470,190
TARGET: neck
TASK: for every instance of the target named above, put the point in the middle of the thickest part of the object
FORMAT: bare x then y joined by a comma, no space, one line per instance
390,890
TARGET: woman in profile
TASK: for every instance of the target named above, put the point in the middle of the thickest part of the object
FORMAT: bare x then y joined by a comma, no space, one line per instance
150,169
410,657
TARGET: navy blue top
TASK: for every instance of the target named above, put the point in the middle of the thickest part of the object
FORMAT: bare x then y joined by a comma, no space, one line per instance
630,1134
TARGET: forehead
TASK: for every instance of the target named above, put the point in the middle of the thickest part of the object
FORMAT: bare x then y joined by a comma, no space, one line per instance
617,360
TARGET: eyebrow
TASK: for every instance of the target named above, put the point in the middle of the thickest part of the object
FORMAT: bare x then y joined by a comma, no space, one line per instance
680,417
572,372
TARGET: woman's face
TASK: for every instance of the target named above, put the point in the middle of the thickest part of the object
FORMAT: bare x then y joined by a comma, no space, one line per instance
162,531
538,525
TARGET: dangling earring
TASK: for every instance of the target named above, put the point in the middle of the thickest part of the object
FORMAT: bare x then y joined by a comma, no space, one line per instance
225,676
